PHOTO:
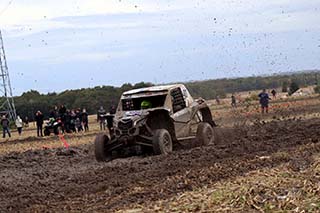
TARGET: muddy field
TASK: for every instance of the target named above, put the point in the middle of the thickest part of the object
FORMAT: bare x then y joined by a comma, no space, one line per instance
258,163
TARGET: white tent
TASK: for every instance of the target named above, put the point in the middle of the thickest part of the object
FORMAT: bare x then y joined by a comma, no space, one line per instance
303,92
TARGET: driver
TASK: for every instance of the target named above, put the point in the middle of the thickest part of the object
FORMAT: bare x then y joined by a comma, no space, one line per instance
146,104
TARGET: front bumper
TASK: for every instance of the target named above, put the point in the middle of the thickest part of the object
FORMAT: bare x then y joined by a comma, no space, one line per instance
124,141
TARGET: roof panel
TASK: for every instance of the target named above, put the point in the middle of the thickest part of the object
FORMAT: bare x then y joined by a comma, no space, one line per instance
152,89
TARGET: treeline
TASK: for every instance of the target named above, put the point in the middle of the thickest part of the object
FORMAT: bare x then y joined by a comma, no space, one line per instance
92,98
211,88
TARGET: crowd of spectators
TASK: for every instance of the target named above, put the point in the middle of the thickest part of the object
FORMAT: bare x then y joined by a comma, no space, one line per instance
70,120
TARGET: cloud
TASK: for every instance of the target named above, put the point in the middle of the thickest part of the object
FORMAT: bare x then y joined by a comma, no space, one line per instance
159,40
180,15
54,39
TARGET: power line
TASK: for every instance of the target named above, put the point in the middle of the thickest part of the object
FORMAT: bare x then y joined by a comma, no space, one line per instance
5,8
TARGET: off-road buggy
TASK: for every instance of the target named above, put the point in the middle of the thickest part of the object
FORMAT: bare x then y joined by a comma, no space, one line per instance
170,116
53,126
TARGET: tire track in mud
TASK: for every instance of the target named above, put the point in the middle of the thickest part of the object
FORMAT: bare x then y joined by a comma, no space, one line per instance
32,139
55,180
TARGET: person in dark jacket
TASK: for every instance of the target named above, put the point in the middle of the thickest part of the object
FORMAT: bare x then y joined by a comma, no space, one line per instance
26,121
110,117
73,118
79,120
274,94
67,122
5,123
112,109
62,115
233,101
39,121
85,120
264,101
62,110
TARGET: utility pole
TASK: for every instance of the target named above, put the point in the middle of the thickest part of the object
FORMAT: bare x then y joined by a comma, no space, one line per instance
7,106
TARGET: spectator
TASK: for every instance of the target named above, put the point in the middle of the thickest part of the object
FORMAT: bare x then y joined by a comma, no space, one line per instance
85,120
79,120
62,115
274,94
19,124
39,122
264,101
78,125
26,121
67,124
73,118
109,119
101,117
233,101
5,123
218,100
54,113
112,110
62,111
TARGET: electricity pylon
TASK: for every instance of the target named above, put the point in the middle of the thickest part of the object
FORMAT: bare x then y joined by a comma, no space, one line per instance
7,106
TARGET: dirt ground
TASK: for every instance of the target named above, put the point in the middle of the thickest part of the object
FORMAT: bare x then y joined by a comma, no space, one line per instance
258,163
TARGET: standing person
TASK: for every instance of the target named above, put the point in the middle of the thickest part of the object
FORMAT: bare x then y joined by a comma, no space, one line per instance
19,124
67,124
54,113
112,109
5,123
109,118
78,125
233,101
85,120
73,118
62,111
79,120
101,117
62,114
218,100
274,94
39,122
264,101
26,121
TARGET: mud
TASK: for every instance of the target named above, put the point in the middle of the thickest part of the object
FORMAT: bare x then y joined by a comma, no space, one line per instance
57,180
32,139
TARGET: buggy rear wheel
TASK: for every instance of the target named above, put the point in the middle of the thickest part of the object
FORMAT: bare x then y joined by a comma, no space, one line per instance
204,134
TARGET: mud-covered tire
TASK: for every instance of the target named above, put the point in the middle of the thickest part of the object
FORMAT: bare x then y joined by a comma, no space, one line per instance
100,151
46,132
57,130
205,134
162,142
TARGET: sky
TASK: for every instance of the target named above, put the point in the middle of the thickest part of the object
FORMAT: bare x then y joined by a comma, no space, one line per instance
54,45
